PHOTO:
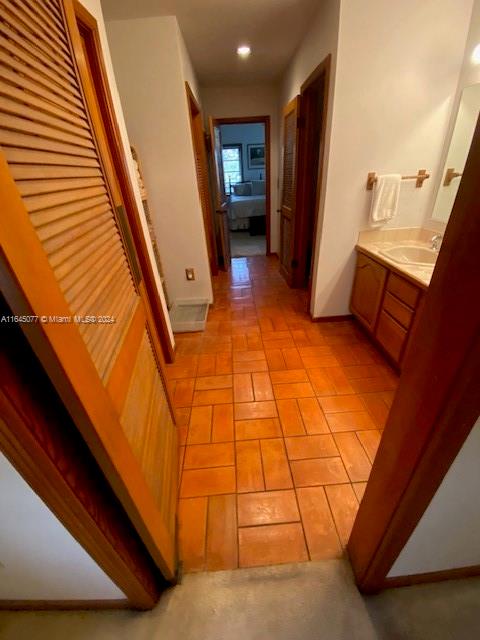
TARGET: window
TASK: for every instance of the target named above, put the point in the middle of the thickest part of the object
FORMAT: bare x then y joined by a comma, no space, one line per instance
232,165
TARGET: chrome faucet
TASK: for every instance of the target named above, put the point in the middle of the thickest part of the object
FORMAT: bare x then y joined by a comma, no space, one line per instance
436,241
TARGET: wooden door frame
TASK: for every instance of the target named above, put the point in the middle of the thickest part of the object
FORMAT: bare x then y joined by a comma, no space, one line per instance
322,70
74,10
199,146
265,120
436,404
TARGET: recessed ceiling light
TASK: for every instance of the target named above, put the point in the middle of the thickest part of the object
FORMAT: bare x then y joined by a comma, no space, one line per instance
244,51
476,55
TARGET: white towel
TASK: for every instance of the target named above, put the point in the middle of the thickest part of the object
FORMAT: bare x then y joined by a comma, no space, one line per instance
386,191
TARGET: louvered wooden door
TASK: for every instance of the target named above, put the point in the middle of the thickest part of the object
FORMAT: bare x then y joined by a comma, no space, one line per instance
68,258
203,182
289,190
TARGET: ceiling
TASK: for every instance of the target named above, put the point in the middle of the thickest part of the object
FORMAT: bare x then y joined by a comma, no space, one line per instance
214,28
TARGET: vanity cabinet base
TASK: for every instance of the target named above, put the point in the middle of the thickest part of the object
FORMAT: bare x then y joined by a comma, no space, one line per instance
385,303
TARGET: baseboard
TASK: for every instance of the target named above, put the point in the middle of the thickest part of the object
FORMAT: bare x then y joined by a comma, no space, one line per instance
434,576
347,316
272,253
62,605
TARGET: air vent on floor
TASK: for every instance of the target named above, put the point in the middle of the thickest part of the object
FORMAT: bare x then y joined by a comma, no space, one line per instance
188,315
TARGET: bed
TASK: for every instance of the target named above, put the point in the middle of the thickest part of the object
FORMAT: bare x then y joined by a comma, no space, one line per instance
247,201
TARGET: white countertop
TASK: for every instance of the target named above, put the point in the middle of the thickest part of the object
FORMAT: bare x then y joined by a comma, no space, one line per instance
420,275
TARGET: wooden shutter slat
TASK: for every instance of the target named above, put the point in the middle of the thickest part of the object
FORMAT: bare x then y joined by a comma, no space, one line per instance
14,107
50,15
33,141
36,83
34,203
22,32
101,349
51,30
56,233
32,21
119,307
80,277
41,157
80,273
107,357
67,229
40,218
32,55
92,303
23,125
37,187
55,9
84,303
39,172
72,254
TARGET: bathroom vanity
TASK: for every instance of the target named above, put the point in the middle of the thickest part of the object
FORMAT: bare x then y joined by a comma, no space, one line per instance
394,266
387,294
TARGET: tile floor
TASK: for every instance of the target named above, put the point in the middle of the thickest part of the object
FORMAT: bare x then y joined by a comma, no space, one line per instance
279,422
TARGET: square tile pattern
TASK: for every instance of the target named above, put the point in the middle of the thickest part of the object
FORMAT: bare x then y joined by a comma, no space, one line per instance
279,420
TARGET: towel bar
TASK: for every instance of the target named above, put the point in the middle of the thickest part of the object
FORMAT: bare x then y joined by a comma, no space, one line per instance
420,177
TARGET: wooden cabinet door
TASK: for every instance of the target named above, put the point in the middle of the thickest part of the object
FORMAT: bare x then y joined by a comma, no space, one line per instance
68,260
289,189
367,290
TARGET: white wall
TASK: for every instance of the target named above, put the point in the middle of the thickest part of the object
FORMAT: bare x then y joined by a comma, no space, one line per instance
187,68
94,7
397,69
448,534
39,559
237,102
151,65
245,134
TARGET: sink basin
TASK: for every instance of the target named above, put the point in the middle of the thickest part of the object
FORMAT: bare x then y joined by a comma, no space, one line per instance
421,256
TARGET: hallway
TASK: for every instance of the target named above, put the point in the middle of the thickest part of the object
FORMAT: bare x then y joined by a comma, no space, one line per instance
279,421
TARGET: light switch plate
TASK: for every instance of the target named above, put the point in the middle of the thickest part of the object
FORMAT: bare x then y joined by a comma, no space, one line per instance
190,274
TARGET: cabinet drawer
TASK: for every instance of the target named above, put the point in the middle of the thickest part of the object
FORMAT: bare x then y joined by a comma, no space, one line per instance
402,289
391,335
398,310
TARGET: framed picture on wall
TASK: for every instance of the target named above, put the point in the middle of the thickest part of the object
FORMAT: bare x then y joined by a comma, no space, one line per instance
255,156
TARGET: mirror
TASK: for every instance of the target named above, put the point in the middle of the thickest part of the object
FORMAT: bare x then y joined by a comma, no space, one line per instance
467,116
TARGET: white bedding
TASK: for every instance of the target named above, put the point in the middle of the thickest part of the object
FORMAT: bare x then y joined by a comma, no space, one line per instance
241,208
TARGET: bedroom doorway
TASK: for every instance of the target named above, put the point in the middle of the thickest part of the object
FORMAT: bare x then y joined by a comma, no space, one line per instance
243,178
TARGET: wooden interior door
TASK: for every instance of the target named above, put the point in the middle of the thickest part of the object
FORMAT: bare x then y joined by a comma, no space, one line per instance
203,181
289,189
68,262
220,199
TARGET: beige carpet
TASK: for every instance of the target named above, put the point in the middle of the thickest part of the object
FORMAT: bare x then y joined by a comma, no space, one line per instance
243,244
308,601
